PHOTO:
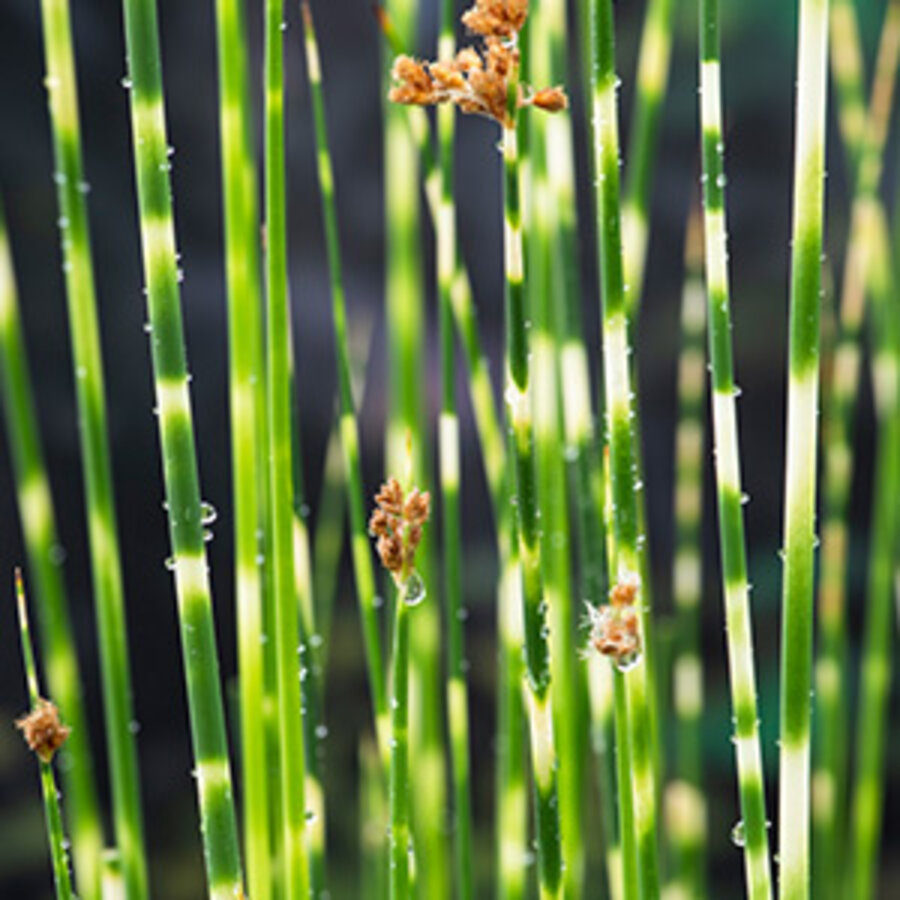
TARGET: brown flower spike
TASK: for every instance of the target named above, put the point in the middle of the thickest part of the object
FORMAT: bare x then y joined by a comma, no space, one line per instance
397,523
476,81
43,731
615,627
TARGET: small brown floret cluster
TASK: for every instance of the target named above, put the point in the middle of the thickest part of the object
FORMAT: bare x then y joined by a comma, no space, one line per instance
615,627
43,731
477,82
397,523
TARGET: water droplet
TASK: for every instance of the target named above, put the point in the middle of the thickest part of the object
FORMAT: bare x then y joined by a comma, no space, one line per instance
414,590
311,814
207,535
126,83
738,838
627,661
721,180
315,641
321,732
208,513
134,726
148,328
170,563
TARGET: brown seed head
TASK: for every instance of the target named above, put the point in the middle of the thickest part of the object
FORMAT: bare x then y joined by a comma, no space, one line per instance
397,522
550,99
615,632
496,18
43,731
625,591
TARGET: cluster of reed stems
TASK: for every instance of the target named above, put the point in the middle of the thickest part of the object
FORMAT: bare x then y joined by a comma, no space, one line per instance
587,704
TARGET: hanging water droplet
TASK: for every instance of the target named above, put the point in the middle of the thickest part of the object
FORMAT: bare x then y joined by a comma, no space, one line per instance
208,513
207,535
170,563
126,83
311,816
315,641
738,838
321,732
414,590
627,661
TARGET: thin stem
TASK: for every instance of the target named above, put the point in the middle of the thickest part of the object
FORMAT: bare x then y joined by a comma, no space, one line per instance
865,242
106,569
622,458
38,522
685,800
176,431
735,586
872,722
55,834
801,457
281,490
652,80
449,454
241,226
519,390
363,569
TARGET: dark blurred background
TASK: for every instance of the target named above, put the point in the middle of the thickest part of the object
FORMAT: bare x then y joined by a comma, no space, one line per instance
758,57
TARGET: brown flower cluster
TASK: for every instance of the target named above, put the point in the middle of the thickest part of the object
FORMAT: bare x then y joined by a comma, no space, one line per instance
43,731
477,82
397,523
615,627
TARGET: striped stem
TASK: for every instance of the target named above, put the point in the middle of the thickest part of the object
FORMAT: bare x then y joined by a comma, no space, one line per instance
241,234
685,802
622,462
363,569
866,237
281,489
872,722
38,524
652,79
112,884
90,396
449,455
847,70
55,835
801,457
735,585
186,513
519,402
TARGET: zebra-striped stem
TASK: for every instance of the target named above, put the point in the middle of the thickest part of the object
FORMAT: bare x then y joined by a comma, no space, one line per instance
281,490
246,382
685,803
176,431
874,690
55,834
829,783
90,396
449,454
519,401
735,585
622,460
652,79
38,523
801,457
112,884
363,569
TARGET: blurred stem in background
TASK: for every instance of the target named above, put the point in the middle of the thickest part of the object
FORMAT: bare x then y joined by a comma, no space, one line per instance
685,800
102,529
186,515
801,452
865,148
38,522
246,406
49,734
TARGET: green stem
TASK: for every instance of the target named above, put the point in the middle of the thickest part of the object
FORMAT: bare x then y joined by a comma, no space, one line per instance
622,464
872,722
831,745
685,801
38,523
96,466
735,586
246,377
400,838
519,399
281,490
55,834
176,431
801,457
